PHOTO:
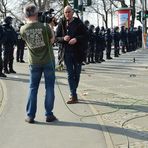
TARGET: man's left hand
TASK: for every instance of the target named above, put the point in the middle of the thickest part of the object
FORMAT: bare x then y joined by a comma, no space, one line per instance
72,41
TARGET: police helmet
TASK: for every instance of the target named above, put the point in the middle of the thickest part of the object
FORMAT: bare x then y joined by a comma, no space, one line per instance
8,20
86,22
97,29
91,27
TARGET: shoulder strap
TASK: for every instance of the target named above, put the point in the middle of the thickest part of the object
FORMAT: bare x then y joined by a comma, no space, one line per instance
63,23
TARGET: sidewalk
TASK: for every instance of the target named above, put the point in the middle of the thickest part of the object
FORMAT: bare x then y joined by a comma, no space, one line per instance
117,90
112,113
2,95
70,131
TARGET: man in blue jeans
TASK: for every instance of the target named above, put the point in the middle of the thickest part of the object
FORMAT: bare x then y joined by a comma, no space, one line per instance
71,34
39,39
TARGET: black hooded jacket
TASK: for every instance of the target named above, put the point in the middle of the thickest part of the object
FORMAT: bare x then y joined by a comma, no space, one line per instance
75,29
10,36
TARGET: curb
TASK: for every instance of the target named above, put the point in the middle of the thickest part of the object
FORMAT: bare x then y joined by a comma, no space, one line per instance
2,96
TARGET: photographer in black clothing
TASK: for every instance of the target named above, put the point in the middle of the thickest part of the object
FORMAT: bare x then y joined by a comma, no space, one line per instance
8,45
1,60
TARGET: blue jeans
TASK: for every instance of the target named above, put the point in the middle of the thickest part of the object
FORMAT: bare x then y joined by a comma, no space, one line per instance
35,76
73,71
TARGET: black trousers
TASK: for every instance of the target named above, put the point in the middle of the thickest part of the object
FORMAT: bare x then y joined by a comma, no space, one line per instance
8,58
1,61
19,54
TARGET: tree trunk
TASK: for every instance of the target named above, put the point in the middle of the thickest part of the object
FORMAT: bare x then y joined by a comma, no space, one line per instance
123,4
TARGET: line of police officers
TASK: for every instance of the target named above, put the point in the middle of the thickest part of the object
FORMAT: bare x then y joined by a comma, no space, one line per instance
101,39
8,39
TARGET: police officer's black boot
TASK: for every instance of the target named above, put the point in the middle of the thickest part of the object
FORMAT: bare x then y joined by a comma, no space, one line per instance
6,71
92,59
108,56
116,53
89,59
5,68
11,67
97,60
1,69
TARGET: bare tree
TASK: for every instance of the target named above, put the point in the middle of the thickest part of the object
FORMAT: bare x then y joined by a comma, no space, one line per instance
133,10
104,9
123,4
3,8
101,7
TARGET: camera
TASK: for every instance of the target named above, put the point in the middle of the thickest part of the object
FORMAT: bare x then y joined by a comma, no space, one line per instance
47,16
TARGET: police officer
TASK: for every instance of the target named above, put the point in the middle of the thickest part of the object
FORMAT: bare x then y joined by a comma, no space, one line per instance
86,50
108,38
98,44
91,44
139,36
124,39
20,47
1,60
131,39
8,45
116,38
103,43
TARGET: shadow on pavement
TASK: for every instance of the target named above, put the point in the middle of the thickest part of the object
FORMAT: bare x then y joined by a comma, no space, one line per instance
132,106
116,130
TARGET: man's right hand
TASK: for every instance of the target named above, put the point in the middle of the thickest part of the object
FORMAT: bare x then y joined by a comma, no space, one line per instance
67,38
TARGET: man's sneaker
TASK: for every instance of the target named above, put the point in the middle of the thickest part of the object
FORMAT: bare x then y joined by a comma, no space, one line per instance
51,118
73,100
29,120
3,75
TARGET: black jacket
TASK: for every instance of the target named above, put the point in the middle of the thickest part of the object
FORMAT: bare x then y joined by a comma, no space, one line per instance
75,29
1,35
20,42
10,36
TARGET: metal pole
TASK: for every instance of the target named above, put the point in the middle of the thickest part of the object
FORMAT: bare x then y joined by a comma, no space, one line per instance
146,19
143,24
111,15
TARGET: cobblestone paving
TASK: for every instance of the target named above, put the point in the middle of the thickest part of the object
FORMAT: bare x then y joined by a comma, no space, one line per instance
135,145
124,114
